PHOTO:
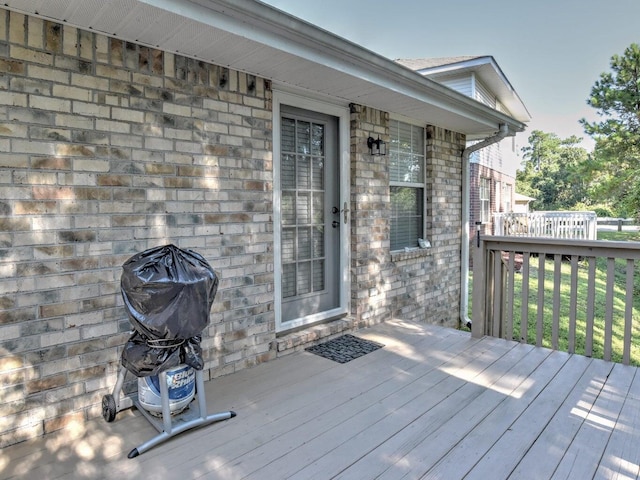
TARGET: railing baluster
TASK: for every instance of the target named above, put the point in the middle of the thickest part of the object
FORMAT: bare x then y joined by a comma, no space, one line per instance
608,318
509,296
497,294
591,301
628,313
524,307
557,281
573,304
540,319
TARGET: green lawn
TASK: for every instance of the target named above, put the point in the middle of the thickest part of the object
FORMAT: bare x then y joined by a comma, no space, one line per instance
598,333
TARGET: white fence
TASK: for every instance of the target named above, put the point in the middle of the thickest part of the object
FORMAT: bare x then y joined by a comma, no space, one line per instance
568,225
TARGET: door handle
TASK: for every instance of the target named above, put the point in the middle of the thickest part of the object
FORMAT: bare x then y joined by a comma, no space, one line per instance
335,224
345,211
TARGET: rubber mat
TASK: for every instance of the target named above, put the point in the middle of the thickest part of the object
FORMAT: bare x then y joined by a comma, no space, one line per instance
345,348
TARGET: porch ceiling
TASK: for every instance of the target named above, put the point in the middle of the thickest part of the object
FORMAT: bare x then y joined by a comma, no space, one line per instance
253,37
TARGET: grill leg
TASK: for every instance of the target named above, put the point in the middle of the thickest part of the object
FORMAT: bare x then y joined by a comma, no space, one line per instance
179,423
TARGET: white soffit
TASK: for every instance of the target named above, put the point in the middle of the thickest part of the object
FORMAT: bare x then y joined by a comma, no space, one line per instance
255,38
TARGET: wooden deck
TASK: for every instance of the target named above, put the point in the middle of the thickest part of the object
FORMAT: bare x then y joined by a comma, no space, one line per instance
433,403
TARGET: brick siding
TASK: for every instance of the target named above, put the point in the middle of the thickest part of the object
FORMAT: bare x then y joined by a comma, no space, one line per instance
421,285
109,148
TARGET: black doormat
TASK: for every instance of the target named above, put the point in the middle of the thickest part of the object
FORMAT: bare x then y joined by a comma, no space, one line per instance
345,348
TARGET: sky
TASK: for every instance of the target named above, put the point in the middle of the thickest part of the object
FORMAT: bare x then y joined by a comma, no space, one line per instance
552,51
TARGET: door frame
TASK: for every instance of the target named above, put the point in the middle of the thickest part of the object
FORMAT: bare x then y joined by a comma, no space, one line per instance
343,137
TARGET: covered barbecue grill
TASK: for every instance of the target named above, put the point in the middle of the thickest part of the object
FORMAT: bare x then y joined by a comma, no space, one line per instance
168,293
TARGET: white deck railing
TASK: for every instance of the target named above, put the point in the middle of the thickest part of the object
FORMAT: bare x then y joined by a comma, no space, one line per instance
579,225
585,285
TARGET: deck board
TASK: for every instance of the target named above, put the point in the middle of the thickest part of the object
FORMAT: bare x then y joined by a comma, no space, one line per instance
560,430
621,458
449,403
502,457
364,432
527,385
463,439
291,412
433,403
582,458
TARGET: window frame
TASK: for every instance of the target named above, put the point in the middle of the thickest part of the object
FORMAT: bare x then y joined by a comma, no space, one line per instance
485,203
420,186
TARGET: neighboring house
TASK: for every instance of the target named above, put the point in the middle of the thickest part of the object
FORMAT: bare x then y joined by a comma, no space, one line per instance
233,129
521,203
493,169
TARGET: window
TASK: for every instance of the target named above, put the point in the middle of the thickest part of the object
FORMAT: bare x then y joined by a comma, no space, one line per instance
407,182
485,192
506,195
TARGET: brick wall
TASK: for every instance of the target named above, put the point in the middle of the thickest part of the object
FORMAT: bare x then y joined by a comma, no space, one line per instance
370,229
422,285
444,177
110,148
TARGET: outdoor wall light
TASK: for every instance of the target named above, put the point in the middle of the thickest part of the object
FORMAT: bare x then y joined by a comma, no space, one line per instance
376,147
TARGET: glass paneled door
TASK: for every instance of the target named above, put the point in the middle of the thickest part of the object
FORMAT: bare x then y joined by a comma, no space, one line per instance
310,219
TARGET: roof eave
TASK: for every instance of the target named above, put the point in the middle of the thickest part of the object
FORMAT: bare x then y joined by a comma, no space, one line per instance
491,73
262,29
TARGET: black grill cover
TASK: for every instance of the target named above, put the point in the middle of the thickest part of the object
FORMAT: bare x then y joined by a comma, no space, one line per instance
168,293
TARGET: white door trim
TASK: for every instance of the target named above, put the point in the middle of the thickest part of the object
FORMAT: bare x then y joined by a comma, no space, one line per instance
342,113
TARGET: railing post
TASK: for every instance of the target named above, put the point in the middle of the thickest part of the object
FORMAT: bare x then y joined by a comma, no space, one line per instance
480,279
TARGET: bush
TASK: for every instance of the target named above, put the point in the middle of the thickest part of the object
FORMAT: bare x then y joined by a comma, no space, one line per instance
601,210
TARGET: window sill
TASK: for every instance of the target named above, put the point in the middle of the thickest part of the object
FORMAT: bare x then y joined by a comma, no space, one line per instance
400,255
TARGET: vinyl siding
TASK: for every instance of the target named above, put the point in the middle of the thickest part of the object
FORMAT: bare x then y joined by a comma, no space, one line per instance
484,95
462,84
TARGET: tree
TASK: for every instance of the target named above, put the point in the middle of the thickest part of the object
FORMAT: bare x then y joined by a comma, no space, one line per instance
551,171
614,169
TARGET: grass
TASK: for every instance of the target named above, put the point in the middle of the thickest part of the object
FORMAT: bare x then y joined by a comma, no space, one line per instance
600,293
